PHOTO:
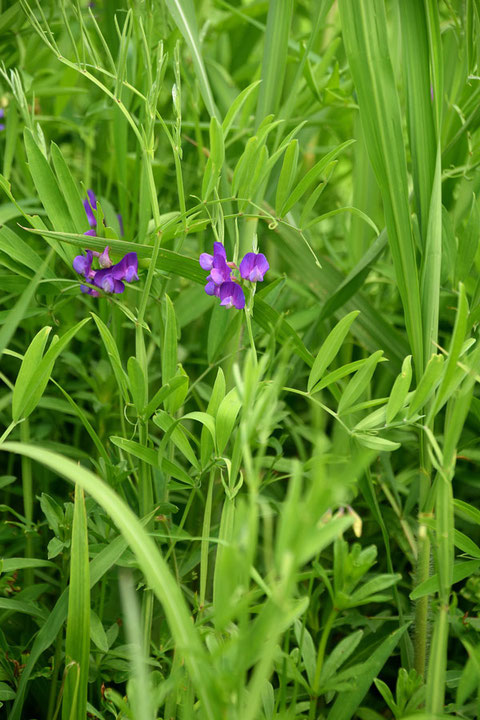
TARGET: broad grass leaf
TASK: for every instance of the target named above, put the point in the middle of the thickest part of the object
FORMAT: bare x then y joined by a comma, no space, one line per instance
236,106
169,347
207,443
150,456
35,378
460,571
47,187
374,442
274,61
359,382
426,385
137,384
467,511
225,419
162,393
330,348
28,368
183,13
70,191
312,176
467,244
77,642
400,389
178,436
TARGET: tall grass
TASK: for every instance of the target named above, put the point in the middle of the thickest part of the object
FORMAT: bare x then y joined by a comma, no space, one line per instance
256,513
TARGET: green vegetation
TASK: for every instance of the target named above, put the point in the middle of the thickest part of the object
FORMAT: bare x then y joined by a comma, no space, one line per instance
265,511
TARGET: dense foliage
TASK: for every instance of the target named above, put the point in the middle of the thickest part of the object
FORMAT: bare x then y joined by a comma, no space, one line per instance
254,499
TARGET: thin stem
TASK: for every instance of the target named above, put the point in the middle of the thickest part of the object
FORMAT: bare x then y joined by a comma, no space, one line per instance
7,432
320,657
27,487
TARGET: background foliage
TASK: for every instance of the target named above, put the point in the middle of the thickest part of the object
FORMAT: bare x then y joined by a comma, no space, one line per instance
223,514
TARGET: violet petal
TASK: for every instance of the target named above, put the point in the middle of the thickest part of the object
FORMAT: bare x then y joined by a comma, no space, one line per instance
231,295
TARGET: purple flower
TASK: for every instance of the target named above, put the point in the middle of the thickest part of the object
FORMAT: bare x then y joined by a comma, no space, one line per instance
83,265
127,268
220,272
109,278
253,267
90,204
231,295
220,281
2,115
89,291
103,257
106,280
206,260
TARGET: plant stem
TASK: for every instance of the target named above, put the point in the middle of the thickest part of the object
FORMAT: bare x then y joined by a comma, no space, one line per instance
320,656
27,488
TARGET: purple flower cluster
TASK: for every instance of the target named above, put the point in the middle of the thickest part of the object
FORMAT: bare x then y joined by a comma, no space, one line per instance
109,278
220,281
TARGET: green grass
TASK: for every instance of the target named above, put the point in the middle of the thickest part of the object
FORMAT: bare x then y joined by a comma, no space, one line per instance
256,514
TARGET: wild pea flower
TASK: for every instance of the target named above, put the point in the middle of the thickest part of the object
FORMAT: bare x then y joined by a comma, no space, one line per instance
90,204
2,115
221,282
109,278
253,267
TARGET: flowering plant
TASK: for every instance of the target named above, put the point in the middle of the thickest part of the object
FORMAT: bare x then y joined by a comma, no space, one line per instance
221,281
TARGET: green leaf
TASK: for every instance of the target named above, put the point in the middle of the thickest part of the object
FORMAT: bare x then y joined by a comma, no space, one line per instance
28,369
236,106
47,188
427,384
30,392
330,348
347,702
225,420
312,176
137,382
340,654
114,357
460,571
467,245
18,311
151,562
77,642
70,191
366,41
167,389
376,443
359,382
97,633
150,456
287,176
274,61
163,420
169,347
400,389
183,13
